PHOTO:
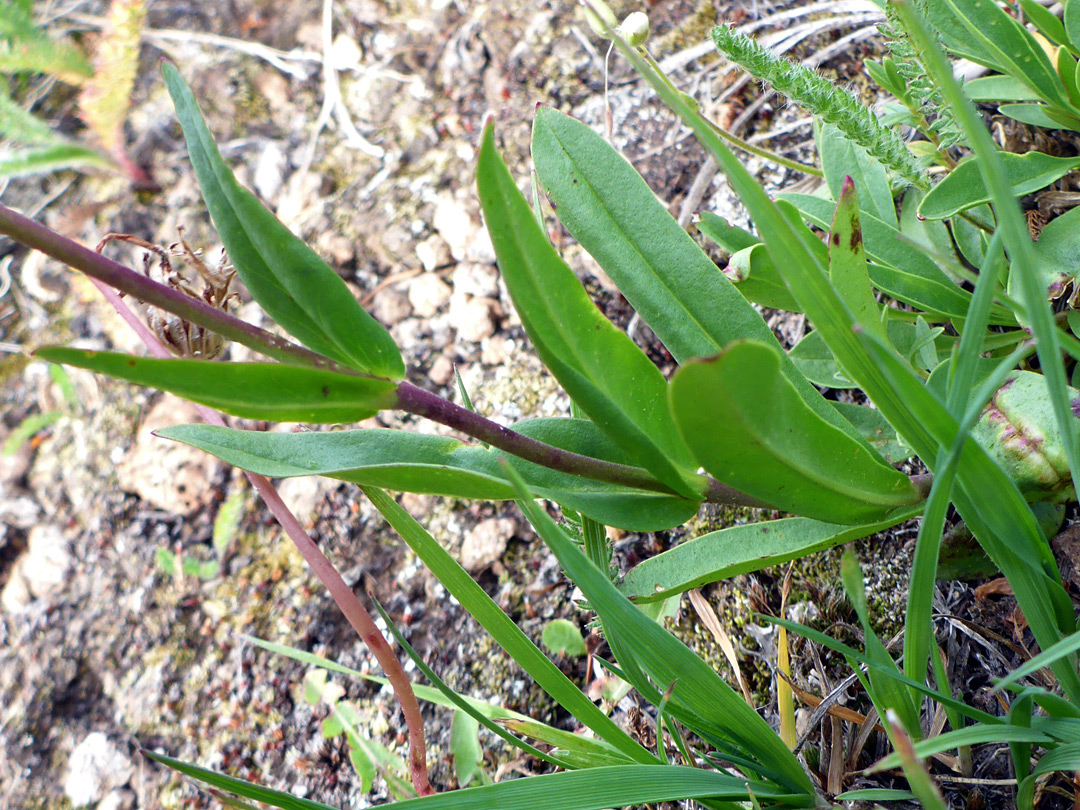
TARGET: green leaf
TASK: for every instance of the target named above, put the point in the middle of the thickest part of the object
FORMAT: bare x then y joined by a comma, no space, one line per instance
756,434
1045,20
227,522
754,275
999,88
503,630
742,549
730,237
964,187
687,302
901,270
971,735
1040,115
847,261
842,160
441,465
465,748
885,691
253,390
813,357
582,751
1056,251
51,158
237,787
1012,47
593,789
288,279
1065,758
876,429
1072,24
562,637
600,367
699,697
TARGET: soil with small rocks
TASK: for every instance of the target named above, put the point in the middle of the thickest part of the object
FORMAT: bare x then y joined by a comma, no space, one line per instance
109,644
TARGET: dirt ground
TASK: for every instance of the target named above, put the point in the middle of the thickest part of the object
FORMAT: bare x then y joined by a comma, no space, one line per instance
103,651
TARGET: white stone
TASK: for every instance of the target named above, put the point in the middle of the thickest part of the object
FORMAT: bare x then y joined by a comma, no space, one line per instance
270,171
486,543
95,767
390,305
480,280
454,225
473,318
47,561
433,253
428,294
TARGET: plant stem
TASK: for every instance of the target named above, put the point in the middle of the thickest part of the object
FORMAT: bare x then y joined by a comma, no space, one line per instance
343,596
423,403
127,281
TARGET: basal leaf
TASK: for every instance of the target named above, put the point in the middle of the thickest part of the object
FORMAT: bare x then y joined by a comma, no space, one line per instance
1012,47
690,305
440,465
754,275
841,159
999,88
742,549
268,391
1040,115
748,427
699,697
601,368
963,188
288,279
847,262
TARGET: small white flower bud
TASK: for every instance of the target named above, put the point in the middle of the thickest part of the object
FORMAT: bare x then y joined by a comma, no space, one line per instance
635,29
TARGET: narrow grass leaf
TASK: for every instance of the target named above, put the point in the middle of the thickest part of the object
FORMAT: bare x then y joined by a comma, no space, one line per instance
238,787
919,780
288,279
269,391
441,465
601,368
502,629
757,435
1053,610
885,690
700,699
51,158
970,735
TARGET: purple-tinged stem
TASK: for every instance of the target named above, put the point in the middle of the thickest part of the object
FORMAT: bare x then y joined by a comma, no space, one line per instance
410,398
342,594
34,235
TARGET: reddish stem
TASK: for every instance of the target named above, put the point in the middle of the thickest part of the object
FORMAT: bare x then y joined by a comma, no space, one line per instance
342,594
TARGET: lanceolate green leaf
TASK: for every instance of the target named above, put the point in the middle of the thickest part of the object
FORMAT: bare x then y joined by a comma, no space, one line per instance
288,279
1012,47
902,270
963,188
741,549
847,262
268,391
747,426
699,697
593,789
601,368
440,465
690,305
